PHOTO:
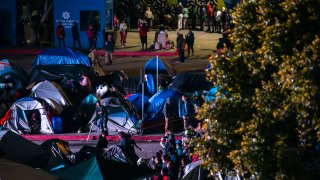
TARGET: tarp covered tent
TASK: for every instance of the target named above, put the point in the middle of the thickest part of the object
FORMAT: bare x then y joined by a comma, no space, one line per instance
195,171
88,105
18,117
154,120
56,73
190,81
61,56
16,148
13,170
47,89
136,100
151,66
12,73
98,168
122,115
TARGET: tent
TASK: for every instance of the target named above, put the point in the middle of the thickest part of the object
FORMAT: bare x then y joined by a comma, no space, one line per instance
122,115
47,89
195,171
190,81
155,65
18,149
154,120
56,73
61,56
230,4
136,100
12,73
18,117
13,170
88,105
97,168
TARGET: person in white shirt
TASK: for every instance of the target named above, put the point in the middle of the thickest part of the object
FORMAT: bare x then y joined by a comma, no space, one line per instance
123,34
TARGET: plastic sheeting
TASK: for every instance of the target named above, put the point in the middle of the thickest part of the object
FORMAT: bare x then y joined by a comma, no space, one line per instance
150,67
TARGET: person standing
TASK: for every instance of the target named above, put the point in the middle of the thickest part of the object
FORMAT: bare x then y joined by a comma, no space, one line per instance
202,16
143,32
187,112
102,117
148,15
179,13
60,34
218,21
169,114
109,45
90,34
123,35
180,46
193,13
75,34
185,17
209,15
190,41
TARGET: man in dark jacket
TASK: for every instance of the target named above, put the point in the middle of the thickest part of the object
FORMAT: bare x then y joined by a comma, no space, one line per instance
102,117
188,112
169,114
109,49
75,34
190,41
180,46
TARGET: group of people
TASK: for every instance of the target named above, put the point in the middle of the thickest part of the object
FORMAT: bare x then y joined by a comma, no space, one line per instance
91,33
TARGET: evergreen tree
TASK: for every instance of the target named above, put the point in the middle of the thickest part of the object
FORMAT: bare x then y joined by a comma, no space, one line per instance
267,125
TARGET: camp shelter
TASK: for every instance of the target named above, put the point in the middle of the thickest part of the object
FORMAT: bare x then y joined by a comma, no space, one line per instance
18,117
12,73
16,148
11,170
122,115
157,66
98,169
88,105
154,120
136,100
61,56
195,171
48,89
190,81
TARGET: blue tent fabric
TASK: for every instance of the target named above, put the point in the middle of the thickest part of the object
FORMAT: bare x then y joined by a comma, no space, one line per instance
9,70
156,103
60,56
88,105
211,96
231,3
150,67
136,100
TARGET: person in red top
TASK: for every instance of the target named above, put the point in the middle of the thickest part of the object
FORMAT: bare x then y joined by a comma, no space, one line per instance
209,15
143,32
91,36
60,34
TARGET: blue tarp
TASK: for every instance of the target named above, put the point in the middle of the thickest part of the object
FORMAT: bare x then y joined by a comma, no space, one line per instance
136,100
150,67
211,96
60,56
156,102
12,72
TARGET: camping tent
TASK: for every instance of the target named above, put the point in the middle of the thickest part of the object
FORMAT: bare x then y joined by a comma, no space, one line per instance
13,170
16,148
47,89
61,56
155,65
18,117
136,100
190,81
154,120
122,115
9,71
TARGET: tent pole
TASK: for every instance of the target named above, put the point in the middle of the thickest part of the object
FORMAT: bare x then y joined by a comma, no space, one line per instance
142,113
157,72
